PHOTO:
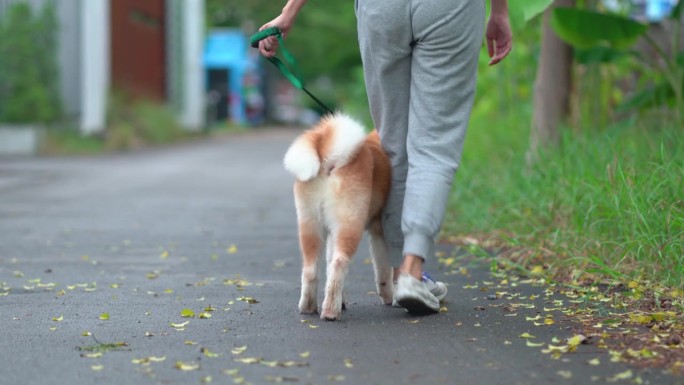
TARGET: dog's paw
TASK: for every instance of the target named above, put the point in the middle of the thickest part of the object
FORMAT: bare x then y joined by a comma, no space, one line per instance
330,315
331,311
308,306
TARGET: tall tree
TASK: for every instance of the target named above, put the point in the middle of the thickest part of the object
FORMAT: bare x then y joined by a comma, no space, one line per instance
552,86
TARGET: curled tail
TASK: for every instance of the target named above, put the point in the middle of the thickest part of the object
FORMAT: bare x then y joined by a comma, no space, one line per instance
330,144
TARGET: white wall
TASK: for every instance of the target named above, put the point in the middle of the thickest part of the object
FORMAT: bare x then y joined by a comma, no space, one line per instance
192,116
95,71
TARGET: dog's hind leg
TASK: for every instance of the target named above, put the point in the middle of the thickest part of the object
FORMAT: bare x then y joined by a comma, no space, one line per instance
345,239
310,242
383,270
330,250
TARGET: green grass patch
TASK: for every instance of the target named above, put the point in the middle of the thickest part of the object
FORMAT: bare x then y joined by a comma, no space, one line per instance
70,142
608,201
131,124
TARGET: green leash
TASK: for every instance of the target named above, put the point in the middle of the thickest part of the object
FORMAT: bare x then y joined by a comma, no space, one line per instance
291,70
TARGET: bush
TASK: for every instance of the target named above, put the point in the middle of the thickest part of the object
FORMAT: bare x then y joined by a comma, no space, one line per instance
28,68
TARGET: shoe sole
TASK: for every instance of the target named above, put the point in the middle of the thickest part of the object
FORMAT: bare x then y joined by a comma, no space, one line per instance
416,306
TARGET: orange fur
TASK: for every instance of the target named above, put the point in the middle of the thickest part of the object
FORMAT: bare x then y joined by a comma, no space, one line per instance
344,198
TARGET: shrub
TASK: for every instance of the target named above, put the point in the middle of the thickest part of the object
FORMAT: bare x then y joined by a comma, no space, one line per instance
28,67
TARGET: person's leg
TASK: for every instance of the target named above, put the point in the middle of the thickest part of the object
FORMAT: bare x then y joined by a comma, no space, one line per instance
448,38
385,38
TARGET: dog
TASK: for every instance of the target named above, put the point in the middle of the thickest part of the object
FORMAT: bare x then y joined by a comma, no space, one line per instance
342,181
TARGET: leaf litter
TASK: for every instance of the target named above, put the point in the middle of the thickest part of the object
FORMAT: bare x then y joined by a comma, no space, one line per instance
637,323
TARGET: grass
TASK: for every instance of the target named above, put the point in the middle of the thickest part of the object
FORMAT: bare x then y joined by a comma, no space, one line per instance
64,141
131,124
606,201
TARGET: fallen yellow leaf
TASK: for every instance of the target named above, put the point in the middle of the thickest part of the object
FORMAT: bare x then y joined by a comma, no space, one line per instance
186,366
248,360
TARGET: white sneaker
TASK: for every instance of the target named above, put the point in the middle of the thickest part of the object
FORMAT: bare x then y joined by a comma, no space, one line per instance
437,288
414,296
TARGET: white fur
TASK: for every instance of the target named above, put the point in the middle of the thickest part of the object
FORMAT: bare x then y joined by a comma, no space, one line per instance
349,136
302,161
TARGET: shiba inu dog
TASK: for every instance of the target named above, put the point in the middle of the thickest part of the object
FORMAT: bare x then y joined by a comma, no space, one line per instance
342,180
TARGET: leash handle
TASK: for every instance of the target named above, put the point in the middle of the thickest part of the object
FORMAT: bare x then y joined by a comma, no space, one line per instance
261,35
289,70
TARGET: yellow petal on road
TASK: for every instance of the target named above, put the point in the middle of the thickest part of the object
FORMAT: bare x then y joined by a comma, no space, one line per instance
527,335
232,249
304,354
209,353
594,362
58,319
104,316
180,325
248,360
576,340
238,350
626,375
187,313
186,366
96,368
534,345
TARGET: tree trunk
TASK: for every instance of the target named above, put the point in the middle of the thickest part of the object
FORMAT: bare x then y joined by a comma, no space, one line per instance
552,87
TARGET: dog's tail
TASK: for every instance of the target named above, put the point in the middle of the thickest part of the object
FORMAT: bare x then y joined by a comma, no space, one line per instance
330,144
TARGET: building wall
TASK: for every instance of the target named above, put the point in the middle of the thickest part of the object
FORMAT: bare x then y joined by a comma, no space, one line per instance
84,59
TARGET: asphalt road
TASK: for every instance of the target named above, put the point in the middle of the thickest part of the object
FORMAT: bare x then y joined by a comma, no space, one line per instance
210,226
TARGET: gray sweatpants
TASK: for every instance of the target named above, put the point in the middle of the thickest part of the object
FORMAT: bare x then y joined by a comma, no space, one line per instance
420,64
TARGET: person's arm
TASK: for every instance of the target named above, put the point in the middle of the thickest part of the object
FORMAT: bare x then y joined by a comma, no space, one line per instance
284,22
499,36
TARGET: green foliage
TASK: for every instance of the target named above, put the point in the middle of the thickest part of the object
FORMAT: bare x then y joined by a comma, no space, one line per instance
136,123
588,29
521,12
606,38
614,193
28,69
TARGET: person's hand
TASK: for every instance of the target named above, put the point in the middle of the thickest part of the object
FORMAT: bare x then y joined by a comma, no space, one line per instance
499,37
269,45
